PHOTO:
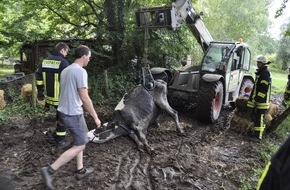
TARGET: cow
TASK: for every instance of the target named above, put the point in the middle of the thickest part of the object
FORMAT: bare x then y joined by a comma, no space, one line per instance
134,113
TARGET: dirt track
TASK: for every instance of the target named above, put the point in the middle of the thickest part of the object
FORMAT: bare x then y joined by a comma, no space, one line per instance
207,157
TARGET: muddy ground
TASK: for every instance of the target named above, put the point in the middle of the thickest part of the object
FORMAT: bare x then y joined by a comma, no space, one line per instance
206,157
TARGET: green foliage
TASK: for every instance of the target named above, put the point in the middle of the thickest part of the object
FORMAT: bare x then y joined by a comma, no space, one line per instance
283,54
18,107
121,79
230,20
284,128
249,181
279,80
3,117
13,95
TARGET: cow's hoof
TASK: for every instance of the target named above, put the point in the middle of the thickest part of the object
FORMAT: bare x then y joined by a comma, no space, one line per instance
152,152
181,131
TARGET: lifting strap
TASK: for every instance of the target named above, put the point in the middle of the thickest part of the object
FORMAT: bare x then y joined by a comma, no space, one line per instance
147,79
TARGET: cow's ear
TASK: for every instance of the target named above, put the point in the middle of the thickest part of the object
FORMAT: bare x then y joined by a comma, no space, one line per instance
116,125
111,125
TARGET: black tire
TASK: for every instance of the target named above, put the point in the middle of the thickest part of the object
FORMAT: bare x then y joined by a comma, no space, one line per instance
245,89
210,101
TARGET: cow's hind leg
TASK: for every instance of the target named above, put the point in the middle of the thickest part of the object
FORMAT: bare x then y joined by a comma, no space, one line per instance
145,142
141,131
136,139
140,137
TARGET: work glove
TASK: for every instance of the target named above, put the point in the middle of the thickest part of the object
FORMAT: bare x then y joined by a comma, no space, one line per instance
286,96
258,99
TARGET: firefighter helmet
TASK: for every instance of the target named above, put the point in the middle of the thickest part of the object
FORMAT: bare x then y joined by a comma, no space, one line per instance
262,59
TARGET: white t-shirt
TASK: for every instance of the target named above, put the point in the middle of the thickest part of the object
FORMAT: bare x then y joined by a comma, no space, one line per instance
73,78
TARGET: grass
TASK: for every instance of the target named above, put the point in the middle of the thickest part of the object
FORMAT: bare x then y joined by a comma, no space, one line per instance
279,80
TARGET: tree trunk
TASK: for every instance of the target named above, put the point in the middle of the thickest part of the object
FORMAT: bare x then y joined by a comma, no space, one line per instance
278,120
33,94
106,82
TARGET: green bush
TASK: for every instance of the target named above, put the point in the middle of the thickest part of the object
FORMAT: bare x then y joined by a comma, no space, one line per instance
121,79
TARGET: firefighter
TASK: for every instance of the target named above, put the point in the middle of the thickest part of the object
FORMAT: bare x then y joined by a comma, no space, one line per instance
259,99
286,99
47,83
276,174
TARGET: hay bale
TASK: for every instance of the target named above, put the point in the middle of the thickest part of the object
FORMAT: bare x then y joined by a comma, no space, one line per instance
241,104
241,122
2,100
275,109
241,119
26,92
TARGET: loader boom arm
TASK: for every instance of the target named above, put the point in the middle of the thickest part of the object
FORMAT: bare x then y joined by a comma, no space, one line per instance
179,13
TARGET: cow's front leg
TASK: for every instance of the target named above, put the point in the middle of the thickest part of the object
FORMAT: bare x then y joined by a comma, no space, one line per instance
163,104
173,113
156,120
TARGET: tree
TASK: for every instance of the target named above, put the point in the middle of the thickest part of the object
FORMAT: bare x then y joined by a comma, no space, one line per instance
230,20
283,54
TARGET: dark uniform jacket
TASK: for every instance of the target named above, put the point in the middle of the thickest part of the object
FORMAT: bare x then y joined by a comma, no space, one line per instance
48,76
287,90
261,92
276,175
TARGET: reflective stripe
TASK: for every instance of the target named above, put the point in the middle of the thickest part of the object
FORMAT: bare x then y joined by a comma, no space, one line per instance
261,128
51,64
56,86
264,82
52,100
44,81
261,94
39,82
263,175
60,133
250,104
262,106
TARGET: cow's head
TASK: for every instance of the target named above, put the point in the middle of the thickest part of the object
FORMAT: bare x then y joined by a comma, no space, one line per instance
106,132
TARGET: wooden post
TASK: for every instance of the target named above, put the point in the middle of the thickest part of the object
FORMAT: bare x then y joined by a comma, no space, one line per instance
106,81
33,95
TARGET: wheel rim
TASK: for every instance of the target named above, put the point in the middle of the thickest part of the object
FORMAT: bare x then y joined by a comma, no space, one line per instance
247,90
217,102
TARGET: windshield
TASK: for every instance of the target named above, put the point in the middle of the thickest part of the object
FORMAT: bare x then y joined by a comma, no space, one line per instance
215,55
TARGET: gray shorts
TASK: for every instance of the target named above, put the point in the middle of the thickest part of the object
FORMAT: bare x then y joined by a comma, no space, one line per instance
77,126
